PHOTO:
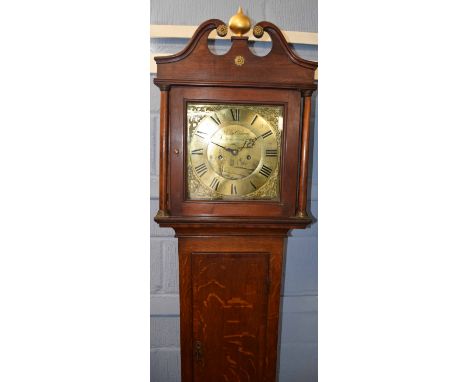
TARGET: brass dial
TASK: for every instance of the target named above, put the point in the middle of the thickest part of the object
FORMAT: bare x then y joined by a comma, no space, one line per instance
233,151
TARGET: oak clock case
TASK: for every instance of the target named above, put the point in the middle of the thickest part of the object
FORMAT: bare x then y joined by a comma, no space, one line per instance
234,136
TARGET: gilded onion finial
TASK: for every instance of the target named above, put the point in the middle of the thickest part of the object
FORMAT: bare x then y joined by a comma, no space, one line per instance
239,24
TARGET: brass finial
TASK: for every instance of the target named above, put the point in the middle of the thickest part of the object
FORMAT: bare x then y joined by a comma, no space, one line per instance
239,23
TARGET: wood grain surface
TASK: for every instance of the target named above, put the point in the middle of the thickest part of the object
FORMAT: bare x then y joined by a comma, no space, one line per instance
230,305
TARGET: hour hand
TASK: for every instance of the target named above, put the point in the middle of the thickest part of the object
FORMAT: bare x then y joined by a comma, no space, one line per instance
221,146
225,148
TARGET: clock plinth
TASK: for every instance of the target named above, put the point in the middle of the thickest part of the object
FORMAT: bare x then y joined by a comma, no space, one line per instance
233,169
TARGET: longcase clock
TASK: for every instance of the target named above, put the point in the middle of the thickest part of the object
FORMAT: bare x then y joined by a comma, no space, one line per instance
233,182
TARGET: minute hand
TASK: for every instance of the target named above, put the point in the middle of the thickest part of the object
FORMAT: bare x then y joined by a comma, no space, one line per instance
249,143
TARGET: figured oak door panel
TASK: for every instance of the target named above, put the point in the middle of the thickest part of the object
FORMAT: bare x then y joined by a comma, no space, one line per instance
229,307
230,301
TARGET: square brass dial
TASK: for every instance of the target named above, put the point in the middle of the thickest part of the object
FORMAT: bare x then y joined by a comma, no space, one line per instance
233,151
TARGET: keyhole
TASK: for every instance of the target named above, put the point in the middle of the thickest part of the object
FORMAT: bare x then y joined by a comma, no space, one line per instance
198,351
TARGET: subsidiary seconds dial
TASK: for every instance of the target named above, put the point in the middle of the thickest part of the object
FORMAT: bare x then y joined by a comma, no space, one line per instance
234,151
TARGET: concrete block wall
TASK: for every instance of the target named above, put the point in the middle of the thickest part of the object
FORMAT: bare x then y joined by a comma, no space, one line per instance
298,325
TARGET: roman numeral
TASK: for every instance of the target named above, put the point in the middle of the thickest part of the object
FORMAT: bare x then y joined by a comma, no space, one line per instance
271,153
253,185
235,114
201,134
233,189
254,120
266,171
216,119
201,169
198,152
267,134
214,184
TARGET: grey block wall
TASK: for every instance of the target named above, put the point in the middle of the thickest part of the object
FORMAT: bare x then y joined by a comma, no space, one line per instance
298,325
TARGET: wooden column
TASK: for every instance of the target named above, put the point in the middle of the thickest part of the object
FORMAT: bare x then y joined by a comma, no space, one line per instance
163,151
304,163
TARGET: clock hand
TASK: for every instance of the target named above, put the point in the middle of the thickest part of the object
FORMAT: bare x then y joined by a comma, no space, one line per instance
248,144
225,148
234,152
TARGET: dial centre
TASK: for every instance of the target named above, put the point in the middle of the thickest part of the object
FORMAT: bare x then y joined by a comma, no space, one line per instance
231,142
